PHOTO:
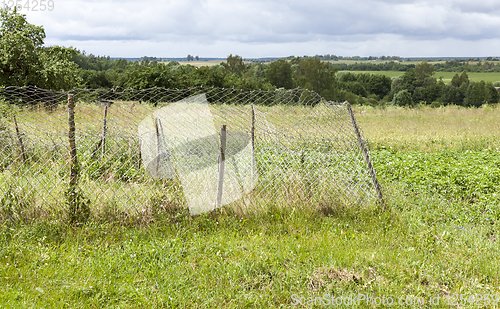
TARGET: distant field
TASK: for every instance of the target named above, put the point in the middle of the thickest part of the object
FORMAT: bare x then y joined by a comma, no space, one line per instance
475,77
201,63
447,76
382,61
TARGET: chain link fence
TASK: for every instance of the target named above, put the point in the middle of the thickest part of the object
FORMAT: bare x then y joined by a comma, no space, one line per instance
153,150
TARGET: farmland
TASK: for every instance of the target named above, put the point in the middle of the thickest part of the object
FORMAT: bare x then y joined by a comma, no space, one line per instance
491,77
439,169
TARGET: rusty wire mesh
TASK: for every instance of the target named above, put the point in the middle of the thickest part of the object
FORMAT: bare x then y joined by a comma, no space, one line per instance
305,151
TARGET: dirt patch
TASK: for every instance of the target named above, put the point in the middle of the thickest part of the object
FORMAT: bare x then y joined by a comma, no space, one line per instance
322,277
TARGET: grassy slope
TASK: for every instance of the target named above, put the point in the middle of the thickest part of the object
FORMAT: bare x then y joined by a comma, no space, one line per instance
417,247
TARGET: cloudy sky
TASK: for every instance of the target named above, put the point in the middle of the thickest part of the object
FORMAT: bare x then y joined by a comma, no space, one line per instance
274,28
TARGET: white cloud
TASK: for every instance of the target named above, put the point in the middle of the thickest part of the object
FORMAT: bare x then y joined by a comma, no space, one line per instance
258,28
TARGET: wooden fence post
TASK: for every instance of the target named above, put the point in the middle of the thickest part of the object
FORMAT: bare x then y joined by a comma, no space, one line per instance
104,129
158,128
252,132
20,141
73,177
222,159
365,154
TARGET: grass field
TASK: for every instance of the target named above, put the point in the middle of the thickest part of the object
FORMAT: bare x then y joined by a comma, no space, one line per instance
447,76
202,63
437,238
430,129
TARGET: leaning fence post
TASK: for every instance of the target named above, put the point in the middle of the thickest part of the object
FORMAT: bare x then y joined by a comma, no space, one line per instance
104,128
365,154
73,176
20,141
222,159
252,132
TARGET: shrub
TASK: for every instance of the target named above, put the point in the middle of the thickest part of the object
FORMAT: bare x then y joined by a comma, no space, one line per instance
403,98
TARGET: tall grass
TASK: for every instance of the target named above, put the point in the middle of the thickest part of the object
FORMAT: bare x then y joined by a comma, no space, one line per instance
430,129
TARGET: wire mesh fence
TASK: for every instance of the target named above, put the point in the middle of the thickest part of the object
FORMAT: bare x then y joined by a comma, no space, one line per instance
151,150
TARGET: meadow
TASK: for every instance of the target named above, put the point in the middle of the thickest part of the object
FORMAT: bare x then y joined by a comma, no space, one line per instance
446,76
435,238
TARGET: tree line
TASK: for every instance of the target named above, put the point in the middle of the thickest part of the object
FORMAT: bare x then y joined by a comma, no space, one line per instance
24,60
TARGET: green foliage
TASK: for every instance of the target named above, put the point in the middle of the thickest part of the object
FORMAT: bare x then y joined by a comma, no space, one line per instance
78,206
470,176
234,65
379,85
24,61
279,74
6,110
403,98
429,93
457,80
20,43
95,79
423,70
453,94
16,204
57,71
481,93
315,75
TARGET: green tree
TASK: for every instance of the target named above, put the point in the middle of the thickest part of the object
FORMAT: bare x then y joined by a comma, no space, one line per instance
458,80
492,95
379,84
234,64
403,98
455,81
279,74
423,71
315,75
24,61
19,43
480,93
57,71
476,94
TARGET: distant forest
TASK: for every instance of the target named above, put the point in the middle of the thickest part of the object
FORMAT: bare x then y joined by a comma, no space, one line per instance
322,74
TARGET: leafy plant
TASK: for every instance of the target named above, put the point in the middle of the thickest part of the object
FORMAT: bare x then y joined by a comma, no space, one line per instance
78,206
16,204
471,177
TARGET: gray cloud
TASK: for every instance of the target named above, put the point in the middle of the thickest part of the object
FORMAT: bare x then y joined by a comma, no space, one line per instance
273,27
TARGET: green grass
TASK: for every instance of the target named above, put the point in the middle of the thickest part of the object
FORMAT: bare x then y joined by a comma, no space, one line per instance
430,129
237,261
437,237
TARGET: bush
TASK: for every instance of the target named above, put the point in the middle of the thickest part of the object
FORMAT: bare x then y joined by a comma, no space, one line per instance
403,98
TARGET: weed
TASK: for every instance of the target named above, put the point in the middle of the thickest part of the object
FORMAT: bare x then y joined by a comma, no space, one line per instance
78,206
17,205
